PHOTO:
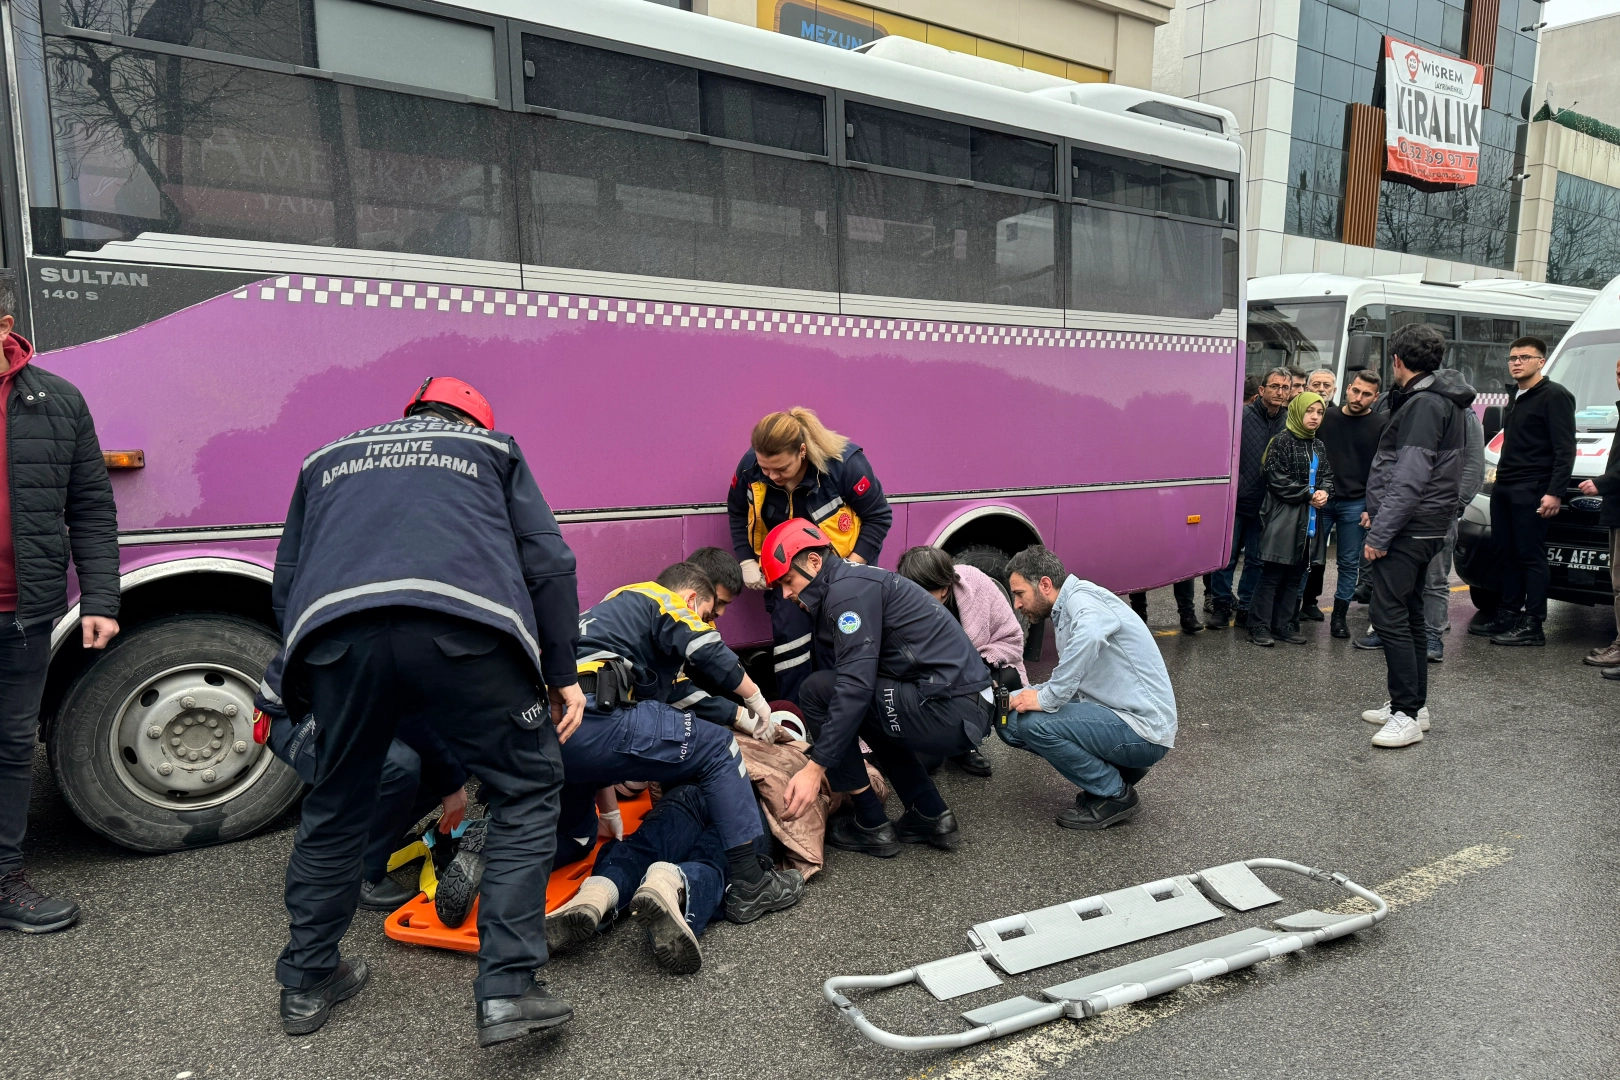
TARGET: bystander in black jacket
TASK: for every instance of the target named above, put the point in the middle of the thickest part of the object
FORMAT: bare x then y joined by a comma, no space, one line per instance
1538,447
1259,425
1417,473
1608,484
1351,442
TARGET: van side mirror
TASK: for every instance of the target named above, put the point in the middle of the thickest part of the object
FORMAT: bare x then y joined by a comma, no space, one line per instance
1491,421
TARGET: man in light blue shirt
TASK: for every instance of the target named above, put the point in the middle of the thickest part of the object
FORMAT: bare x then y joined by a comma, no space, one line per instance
1108,711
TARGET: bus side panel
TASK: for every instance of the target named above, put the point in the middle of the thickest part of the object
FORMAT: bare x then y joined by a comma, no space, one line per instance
1142,538
625,403
927,521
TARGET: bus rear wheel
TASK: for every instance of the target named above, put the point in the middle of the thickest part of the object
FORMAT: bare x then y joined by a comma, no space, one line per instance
153,746
993,562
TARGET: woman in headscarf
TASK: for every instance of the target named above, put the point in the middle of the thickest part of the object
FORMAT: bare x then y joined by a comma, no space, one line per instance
1299,482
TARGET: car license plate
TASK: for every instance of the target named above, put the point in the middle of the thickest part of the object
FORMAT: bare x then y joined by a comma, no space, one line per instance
1578,558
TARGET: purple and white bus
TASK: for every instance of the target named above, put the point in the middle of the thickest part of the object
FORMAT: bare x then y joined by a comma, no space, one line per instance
247,227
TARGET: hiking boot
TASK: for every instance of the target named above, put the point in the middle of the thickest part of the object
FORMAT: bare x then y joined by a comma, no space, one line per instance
1261,636
915,827
384,895
1097,813
1382,714
1489,625
660,907
973,763
778,889
1363,594
847,834
1437,648
503,1018
1398,730
304,1011
25,908
458,885
1311,609
1371,641
582,917
1189,621
1340,625
1607,656
1526,632
1222,617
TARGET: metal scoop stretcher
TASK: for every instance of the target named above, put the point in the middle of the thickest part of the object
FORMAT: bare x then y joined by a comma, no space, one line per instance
1021,943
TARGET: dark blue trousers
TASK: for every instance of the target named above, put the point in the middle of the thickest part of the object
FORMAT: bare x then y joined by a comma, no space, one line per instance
472,684
792,644
651,741
401,803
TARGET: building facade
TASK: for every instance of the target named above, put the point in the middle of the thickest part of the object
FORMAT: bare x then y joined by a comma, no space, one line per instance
1082,40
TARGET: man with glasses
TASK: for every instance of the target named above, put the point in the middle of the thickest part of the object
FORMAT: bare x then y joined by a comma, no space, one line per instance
1538,455
1262,418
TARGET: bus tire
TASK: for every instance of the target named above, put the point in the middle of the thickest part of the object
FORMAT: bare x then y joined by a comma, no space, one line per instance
153,744
993,562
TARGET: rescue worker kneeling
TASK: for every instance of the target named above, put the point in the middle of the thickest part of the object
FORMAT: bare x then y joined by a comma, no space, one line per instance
631,647
904,676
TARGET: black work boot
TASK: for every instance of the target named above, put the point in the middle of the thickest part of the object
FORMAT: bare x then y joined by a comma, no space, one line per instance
1094,813
915,827
1499,621
304,1010
776,890
1222,618
1189,620
25,908
500,1019
1241,619
848,834
1340,626
1526,632
458,885
973,763
1311,609
384,895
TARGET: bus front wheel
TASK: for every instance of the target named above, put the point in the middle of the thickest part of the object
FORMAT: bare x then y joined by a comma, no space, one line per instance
153,746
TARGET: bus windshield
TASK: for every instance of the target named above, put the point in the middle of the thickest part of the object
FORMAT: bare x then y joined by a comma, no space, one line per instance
1588,372
1306,334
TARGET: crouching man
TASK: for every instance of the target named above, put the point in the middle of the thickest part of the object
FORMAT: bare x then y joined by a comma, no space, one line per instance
1108,713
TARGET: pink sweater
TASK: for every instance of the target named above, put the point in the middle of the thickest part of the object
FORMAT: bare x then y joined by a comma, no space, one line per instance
989,620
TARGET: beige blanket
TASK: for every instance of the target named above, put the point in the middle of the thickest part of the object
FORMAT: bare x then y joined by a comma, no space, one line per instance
770,767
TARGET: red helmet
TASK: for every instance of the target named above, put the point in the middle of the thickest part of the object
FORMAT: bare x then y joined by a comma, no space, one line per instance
457,395
784,542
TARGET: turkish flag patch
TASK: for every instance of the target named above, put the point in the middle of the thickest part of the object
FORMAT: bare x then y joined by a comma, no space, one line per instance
863,487
733,479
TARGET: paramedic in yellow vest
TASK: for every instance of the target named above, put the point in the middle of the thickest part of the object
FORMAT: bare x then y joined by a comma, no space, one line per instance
796,468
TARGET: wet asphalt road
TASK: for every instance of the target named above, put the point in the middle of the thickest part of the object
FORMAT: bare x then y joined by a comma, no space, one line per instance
1497,835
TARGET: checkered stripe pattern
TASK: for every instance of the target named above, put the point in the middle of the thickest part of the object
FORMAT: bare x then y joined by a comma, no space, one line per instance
1490,399
460,299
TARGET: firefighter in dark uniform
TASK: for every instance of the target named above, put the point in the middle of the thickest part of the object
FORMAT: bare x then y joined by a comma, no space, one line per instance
421,574
903,675
796,468
632,647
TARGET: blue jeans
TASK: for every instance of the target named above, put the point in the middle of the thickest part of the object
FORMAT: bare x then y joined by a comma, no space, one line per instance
1345,516
1245,542
1087,743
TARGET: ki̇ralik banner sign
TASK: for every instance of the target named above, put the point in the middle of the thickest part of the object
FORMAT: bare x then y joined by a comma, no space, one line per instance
1432,112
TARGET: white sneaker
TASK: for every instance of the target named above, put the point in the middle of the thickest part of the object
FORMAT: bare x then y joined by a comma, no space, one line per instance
1380,715
1400,730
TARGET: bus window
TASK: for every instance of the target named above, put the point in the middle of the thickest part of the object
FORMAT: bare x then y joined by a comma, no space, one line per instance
266,29
1483,328
1484,367
1145,264
918,238
1441,321
1306,334
923,144
1147,185
393,45
570,77
1370,319
254,155
628,202
1587,371
1550,332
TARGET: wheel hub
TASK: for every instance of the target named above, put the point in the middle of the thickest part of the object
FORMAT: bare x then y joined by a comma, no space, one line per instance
186,737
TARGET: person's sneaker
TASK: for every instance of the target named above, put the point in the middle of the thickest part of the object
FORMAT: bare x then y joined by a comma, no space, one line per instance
1526,632
659,906
1607,656
845,833
582,917
1339,627
1292,635
777,890
25,908
1371,641
384,895
914,827
973,763
1398,730
1437,648
1312,610
1611,673
1096,813
458,885
1261,636
304,1011
1209,604
1382,714
1221,618
500,1019
1489,625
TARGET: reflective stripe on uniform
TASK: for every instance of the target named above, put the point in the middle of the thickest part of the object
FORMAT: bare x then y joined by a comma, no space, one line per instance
735,750
826,511
269,695
742,769
711,638
791,645
690,699
795,662
398,437
425,585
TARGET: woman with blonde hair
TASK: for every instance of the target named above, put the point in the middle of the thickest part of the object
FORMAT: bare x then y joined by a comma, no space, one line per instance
796,468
